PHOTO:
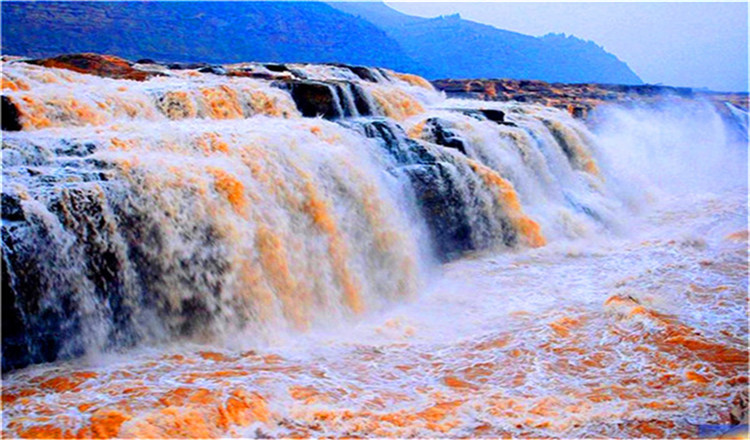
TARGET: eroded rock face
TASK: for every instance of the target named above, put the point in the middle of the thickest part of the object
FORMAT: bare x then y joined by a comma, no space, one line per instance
107,66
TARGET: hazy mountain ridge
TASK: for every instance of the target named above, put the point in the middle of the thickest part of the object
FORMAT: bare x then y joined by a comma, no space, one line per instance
451,47
206,31
354,33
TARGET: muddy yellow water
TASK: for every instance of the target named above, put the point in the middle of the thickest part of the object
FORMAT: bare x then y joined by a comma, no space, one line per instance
644,336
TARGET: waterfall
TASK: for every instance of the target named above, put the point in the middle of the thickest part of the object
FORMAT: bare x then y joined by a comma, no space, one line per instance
257,197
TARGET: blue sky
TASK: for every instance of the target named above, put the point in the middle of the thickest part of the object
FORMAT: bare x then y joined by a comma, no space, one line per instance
680,44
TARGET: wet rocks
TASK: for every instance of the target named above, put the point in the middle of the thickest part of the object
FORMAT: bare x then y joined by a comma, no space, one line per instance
351,98
364,73
57,249
176,105
76,149
362,101
443,207
11,207
216,70
32,332
445,193
331,100
314,98
439,132
484,114
276,67
43,283
493,115
252,74
106,66
187,66
11,117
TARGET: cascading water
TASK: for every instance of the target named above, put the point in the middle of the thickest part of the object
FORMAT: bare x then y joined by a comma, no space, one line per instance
251,204
196,204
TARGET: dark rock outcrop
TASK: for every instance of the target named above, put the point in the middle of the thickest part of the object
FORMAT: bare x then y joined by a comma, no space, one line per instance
438,196
493,115
106,66
11,118
361,100
187,66
329,99
314,98
439,132
276,67
216,70
443,208
11,207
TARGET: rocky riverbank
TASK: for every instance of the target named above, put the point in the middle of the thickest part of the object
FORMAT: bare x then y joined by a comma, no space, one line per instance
579,99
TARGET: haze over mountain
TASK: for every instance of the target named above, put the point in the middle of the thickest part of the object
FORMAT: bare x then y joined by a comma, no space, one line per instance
213,32
354,33
451,47
684,44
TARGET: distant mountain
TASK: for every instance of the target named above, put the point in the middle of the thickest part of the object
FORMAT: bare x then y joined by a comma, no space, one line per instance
354,33
199,31
451,47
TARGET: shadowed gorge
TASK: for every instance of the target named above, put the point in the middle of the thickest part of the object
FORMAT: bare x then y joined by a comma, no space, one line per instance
267,249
